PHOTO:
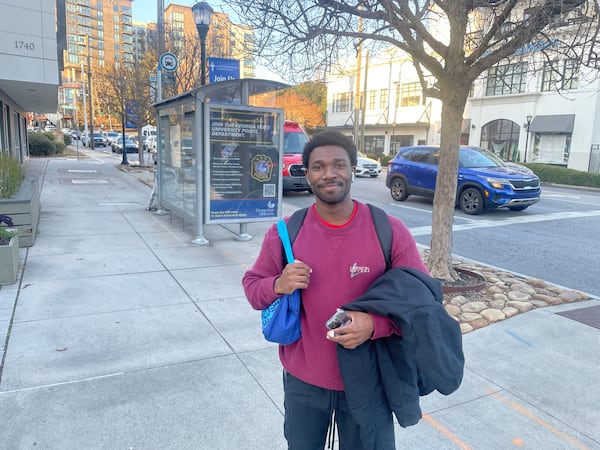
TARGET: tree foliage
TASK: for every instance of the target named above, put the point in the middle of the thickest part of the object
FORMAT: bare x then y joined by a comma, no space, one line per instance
305,103
451,44
127,91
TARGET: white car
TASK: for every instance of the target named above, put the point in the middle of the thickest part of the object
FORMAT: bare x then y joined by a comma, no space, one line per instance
367,167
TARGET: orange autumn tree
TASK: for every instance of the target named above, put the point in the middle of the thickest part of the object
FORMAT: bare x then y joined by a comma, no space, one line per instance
305,104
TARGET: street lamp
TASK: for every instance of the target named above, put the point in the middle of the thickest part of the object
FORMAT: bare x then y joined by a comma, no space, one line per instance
202,14
124,160
529,117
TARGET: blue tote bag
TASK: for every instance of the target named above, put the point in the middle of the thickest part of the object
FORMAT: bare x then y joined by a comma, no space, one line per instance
281,320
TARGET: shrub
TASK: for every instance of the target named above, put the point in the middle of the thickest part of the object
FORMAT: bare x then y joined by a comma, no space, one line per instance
560,175
67,139
42,144
6,235
11,176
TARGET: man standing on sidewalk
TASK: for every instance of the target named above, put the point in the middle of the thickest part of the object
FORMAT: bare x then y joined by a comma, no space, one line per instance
338,258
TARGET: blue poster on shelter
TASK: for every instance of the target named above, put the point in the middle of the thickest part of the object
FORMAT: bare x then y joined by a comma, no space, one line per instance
243,165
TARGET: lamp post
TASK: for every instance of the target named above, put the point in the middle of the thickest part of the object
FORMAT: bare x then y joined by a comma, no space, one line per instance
124,160
202,14
529,117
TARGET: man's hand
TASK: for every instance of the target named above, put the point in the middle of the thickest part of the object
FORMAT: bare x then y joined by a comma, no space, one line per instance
294,276
355,333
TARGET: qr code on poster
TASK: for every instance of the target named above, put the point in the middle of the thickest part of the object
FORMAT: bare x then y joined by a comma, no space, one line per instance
269,190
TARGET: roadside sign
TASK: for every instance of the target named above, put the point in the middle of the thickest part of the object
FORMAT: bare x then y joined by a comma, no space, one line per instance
223,69
168,62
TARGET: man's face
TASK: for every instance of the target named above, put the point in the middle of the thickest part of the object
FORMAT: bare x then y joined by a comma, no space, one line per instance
330,174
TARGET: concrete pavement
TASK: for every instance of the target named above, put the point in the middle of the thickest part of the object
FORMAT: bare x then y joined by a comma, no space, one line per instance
120,333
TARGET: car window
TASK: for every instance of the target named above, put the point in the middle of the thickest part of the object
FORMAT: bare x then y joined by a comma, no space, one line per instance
294,142
475,158
420,155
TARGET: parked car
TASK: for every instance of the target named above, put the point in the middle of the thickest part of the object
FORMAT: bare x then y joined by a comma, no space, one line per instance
367,167
99,140
484,180
294,139
130,145
112,136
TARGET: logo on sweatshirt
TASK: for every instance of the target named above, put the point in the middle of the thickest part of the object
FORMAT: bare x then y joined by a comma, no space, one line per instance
355,270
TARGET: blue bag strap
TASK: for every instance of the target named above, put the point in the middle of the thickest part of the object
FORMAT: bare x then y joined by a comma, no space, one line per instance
285,240
293,227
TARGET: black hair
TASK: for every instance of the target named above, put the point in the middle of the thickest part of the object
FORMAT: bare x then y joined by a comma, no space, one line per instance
329,137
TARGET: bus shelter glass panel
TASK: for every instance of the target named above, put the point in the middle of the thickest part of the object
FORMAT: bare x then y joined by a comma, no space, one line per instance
177,160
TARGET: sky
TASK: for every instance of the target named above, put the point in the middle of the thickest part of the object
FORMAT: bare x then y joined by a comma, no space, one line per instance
145,11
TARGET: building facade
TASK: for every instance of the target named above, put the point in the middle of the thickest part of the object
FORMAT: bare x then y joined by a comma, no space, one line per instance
98,33
540,106
29,69
224,39
390,110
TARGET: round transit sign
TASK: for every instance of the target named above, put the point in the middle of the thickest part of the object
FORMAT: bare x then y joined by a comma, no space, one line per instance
168,61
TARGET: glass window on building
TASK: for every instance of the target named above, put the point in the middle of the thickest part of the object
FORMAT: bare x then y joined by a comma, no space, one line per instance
502,138
372,99
401,140
342,102
560,75
411,94
551,148
383,98
506,79
374,144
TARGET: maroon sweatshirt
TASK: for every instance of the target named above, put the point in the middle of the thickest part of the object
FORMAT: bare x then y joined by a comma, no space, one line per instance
345,260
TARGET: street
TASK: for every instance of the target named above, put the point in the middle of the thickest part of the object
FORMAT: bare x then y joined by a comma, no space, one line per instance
555,239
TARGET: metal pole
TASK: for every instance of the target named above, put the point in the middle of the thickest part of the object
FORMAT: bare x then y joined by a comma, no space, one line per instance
527,140
87,44
203,31
364,105
199,139
85,120
124,160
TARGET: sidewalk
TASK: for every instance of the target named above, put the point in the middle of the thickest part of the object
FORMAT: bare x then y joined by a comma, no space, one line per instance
125,335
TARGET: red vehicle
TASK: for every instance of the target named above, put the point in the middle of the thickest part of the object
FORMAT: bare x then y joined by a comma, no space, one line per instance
294,139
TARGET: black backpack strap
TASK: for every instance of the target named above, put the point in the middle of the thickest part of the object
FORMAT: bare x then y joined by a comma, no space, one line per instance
293,225
384,233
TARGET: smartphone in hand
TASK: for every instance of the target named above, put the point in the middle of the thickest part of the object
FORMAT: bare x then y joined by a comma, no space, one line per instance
339,319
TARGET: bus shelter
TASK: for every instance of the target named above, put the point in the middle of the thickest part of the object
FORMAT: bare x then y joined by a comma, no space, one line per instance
219,155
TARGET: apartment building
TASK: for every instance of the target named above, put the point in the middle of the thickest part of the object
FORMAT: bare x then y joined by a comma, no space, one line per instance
98,31
29,69
224,40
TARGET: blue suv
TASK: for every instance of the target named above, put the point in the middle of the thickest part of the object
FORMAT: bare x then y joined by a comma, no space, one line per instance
484,180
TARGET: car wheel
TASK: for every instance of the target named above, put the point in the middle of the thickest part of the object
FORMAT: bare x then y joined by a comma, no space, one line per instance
518,208
398,190
471,201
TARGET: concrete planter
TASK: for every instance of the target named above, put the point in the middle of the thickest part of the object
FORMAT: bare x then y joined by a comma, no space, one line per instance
24,211
9,261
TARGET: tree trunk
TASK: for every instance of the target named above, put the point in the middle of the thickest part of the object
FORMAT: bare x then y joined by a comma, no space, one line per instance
439,261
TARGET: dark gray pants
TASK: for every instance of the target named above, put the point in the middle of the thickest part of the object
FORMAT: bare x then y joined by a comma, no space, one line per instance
310,411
